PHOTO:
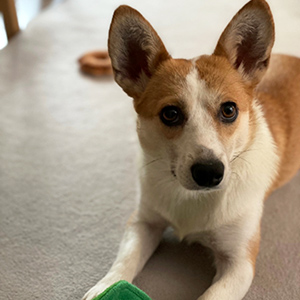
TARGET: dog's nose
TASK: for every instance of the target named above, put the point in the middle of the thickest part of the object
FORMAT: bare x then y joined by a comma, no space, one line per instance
208,174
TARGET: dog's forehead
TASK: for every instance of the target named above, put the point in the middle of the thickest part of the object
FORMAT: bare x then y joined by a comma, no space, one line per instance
207,80
221,78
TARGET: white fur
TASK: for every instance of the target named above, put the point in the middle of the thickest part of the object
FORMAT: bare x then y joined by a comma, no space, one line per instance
191,211
226,218
200,133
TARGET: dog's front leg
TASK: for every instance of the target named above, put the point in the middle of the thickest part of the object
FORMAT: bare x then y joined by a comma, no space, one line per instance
140,239
235,257
234,282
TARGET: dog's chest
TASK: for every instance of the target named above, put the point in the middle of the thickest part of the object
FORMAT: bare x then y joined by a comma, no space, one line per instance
191,217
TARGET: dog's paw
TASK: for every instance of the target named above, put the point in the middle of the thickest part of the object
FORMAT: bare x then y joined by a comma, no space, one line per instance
96,290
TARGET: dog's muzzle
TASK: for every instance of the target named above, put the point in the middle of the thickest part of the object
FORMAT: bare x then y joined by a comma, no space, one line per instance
208,174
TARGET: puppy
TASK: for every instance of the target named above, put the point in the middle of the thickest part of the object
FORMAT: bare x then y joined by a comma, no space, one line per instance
218,132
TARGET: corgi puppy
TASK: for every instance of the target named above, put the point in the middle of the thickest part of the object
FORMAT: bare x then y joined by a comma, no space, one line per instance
218,134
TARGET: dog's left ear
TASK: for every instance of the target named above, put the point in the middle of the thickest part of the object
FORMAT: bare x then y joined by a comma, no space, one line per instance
135,49
248,39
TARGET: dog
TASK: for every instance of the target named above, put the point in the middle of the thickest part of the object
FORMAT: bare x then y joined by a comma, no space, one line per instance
218,134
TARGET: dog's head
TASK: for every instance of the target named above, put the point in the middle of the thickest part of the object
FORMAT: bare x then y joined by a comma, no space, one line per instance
194,116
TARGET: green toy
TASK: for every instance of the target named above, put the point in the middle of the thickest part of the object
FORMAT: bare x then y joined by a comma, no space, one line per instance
122,290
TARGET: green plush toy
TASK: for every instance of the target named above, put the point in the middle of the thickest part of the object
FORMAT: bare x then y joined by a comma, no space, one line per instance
122,290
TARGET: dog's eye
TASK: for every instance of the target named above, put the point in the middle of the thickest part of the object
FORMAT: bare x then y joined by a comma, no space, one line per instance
171,116
228,112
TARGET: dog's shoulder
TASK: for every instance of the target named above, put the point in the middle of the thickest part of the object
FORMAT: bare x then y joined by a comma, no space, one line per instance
282,77
279,95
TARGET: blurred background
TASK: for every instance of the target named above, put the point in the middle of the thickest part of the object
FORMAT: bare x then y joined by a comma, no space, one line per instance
285,13
26,10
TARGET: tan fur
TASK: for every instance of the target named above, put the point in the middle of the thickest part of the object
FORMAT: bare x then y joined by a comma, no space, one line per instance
253,248
279,95
164,89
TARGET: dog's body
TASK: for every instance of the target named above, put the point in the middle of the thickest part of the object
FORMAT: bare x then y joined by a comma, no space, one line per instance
219,133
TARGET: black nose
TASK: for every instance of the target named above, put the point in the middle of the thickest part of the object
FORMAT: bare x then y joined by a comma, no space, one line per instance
208,174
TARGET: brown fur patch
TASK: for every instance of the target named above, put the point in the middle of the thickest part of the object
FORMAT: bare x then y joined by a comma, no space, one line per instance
253,248
165,88
279,95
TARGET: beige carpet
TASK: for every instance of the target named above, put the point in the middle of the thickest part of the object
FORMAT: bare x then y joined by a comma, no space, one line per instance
68,148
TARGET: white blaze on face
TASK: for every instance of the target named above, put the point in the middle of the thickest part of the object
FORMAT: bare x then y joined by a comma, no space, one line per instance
201,122
200,140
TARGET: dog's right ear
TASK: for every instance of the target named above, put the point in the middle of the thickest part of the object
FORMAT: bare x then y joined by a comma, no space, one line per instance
135,50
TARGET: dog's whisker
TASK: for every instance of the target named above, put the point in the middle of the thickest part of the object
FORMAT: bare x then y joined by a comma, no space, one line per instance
242,152
151,162
244,160
236,174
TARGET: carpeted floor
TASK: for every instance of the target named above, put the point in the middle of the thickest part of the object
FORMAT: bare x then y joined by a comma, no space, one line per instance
68,151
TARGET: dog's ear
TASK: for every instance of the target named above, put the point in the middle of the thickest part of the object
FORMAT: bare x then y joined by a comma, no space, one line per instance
135,50
248,39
